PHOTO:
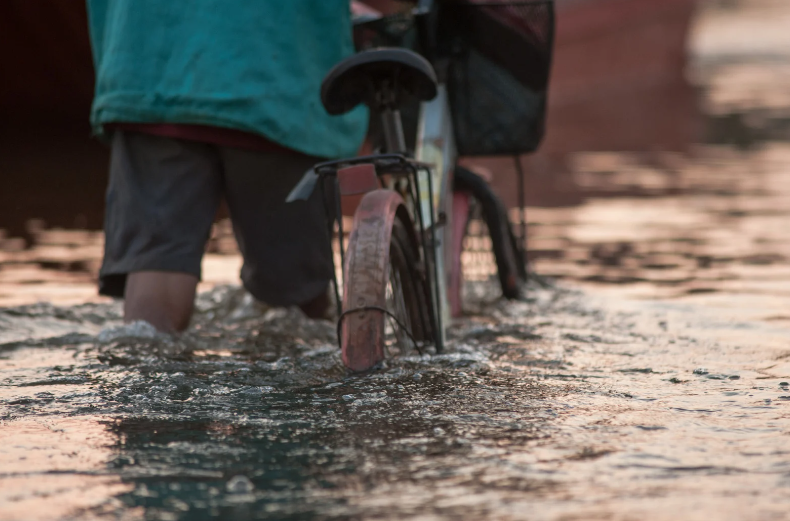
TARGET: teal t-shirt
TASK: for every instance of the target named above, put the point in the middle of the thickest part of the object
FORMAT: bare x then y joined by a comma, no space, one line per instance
252,65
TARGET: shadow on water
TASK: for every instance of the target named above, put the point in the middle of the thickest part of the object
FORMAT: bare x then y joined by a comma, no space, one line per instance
303,454
187,466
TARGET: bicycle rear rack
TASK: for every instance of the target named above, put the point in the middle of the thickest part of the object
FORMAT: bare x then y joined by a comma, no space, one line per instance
399,166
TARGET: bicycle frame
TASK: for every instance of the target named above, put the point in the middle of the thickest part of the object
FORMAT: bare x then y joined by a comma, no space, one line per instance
436,146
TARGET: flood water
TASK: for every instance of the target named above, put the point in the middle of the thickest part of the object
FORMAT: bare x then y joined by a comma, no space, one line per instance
645,376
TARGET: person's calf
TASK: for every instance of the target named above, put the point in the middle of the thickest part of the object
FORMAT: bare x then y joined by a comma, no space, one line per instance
319,307
162,298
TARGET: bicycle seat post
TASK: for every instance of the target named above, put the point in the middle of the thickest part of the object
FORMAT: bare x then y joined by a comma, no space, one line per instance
393,131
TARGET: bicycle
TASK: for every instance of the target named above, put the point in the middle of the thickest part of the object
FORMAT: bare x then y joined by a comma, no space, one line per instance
401,270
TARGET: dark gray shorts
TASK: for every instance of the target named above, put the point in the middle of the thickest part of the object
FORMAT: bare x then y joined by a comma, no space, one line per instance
163,195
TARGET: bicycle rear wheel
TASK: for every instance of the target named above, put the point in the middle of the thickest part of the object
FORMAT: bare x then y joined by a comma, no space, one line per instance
385,295
511,266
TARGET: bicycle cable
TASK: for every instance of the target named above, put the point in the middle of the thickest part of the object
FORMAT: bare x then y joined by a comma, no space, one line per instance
383,310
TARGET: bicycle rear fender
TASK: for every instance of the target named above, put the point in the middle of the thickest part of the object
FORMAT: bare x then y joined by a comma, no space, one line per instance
370,238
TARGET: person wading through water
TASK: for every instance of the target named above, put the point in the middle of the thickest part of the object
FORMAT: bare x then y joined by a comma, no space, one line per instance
207,100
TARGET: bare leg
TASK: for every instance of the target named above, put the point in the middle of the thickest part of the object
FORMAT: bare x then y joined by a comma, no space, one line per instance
162,298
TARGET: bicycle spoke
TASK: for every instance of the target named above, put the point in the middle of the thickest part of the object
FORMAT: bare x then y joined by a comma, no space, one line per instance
396,337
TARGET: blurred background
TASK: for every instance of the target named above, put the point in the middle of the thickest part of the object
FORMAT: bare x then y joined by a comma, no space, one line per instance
665,172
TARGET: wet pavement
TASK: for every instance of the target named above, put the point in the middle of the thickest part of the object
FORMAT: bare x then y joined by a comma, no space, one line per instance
650,381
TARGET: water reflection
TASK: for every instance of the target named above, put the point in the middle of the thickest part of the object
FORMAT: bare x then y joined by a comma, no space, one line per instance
61,459
564,396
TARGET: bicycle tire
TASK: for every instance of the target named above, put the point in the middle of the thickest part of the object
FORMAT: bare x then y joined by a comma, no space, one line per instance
511,266
380,247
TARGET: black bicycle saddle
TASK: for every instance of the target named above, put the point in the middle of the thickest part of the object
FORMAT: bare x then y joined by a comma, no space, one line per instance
378,78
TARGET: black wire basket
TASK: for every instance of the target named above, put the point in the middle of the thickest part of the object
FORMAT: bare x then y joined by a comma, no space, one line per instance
496,58
498,75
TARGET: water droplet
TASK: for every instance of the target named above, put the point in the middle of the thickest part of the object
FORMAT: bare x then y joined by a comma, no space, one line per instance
240,485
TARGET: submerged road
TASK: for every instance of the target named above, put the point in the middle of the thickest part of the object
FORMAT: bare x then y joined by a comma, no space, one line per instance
567,406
